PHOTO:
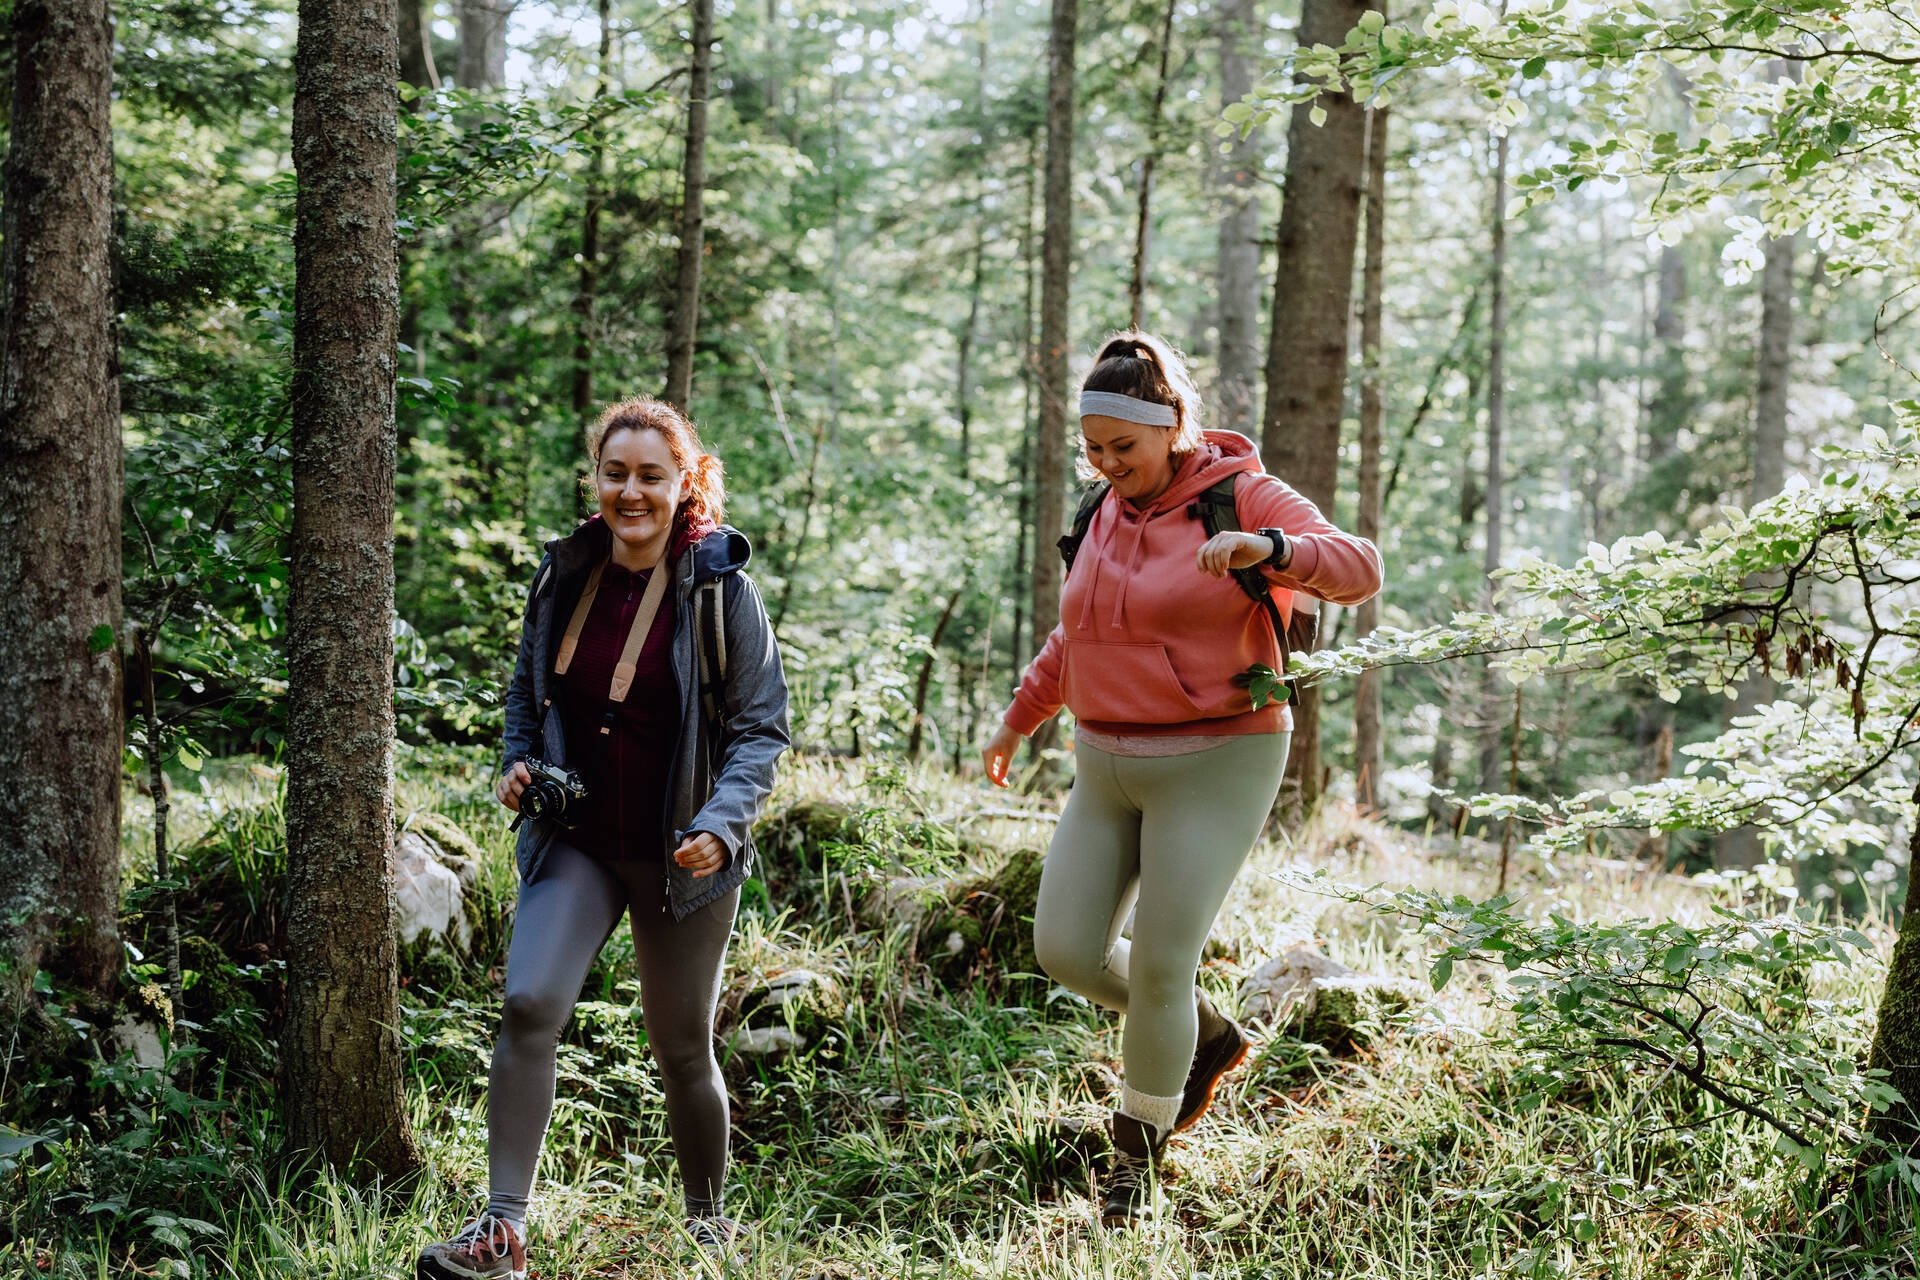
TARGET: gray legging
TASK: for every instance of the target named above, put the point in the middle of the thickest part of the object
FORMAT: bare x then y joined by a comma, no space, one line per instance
1173,832
563,919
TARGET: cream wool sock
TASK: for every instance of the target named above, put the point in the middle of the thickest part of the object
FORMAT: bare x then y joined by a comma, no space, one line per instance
1161,1113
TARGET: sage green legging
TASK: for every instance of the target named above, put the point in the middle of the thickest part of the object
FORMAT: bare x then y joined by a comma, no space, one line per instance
1171,832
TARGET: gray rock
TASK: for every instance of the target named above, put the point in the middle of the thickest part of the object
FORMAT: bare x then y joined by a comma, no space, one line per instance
766,1042
1310,995
430,892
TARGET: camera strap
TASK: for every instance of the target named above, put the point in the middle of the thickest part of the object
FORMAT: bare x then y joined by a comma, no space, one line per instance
623,670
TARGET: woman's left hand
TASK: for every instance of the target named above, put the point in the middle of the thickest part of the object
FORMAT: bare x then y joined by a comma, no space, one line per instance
701,854
1224,551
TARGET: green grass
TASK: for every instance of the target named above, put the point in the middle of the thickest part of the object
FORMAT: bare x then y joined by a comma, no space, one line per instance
920,1132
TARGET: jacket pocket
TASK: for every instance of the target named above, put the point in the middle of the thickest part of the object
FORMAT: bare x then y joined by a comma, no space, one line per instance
1131,683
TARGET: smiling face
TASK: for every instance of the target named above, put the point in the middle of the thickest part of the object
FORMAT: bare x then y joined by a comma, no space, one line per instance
640,488
1136,460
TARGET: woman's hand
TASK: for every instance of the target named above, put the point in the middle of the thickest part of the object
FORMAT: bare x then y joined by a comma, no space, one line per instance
701,854
1224,551
508,786
999,754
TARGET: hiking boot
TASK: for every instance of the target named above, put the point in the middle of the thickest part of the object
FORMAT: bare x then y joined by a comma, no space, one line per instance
488,1248
720,1238
1222,1047
1131,1172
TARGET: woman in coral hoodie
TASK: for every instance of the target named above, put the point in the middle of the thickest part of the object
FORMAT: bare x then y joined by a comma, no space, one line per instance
1176,769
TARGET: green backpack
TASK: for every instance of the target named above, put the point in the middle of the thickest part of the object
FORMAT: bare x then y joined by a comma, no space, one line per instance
1216,512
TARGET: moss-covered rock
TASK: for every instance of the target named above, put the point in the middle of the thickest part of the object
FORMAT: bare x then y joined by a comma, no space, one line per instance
984,921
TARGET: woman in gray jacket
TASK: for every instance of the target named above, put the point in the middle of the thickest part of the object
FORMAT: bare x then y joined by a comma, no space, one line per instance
645,716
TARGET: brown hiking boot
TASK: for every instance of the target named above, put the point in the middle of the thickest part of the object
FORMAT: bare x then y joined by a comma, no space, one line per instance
1132,1171
1222,1047
488,1248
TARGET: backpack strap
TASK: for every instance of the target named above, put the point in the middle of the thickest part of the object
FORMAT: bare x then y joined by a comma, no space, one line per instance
1090,499
1219,513
710,656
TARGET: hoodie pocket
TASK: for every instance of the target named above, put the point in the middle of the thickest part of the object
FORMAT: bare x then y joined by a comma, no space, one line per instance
1130,683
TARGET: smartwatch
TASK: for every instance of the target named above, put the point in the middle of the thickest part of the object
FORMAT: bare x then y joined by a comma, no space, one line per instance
1282,549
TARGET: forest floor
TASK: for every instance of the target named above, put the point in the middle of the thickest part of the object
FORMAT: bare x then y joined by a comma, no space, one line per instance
926,1125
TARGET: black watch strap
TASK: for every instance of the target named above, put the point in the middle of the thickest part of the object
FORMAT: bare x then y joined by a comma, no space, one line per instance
1278,537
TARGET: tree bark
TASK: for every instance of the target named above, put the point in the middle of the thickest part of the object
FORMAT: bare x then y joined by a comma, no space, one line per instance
686,290
1312,305
1237,269
1137,284
483,43
1366,698
341,1055
1056,259
60,489
1896,1032
1029,378
586,298
1496,431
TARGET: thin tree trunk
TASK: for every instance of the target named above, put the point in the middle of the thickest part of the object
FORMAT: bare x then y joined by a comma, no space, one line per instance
1312,305
1449,359
969,336
416,47
686,291
1667,410
1513,788
60,491
1137,286
1366,698
1496,429
1237,261
1029,379
926,671
157,782
586,298
806,526
1056,259
1741,847
483,43
340,1050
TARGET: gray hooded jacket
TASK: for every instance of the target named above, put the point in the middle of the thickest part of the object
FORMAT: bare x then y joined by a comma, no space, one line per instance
718,792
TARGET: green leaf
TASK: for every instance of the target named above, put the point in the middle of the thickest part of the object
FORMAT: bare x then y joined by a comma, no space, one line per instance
100,639
1442,972
13,1142
1533,67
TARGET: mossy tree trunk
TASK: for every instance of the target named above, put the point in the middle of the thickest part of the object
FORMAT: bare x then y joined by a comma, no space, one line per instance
1896,1032
344,1098
1237,269
60,490
1312,304
1366,696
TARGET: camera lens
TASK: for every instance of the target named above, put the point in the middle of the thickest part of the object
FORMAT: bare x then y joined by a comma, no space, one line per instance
541,799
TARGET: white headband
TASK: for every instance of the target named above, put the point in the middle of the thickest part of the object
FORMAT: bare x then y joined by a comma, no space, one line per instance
1111,404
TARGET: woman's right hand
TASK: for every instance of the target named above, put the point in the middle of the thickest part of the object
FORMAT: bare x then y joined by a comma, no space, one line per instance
509,785
998,755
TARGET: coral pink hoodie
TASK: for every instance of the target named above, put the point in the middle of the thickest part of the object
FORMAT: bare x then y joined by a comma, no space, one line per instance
1148,644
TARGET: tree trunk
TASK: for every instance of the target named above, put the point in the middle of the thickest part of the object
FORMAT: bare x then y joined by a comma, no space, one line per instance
1496,430
1237,263
1366,698
1741,847
1667,410
1056,258
1312,305
342,1085
416,47
1137,285
969,336
586,298
483,43
1029,378
60,489
926,671
1896,1032
686,289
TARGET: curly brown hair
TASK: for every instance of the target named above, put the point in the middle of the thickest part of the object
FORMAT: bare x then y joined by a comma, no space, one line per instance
706,492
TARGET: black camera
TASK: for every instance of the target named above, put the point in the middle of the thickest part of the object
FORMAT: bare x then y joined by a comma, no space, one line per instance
550,793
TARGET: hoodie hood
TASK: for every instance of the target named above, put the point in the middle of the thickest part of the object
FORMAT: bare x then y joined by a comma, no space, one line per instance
1221,454
722,550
